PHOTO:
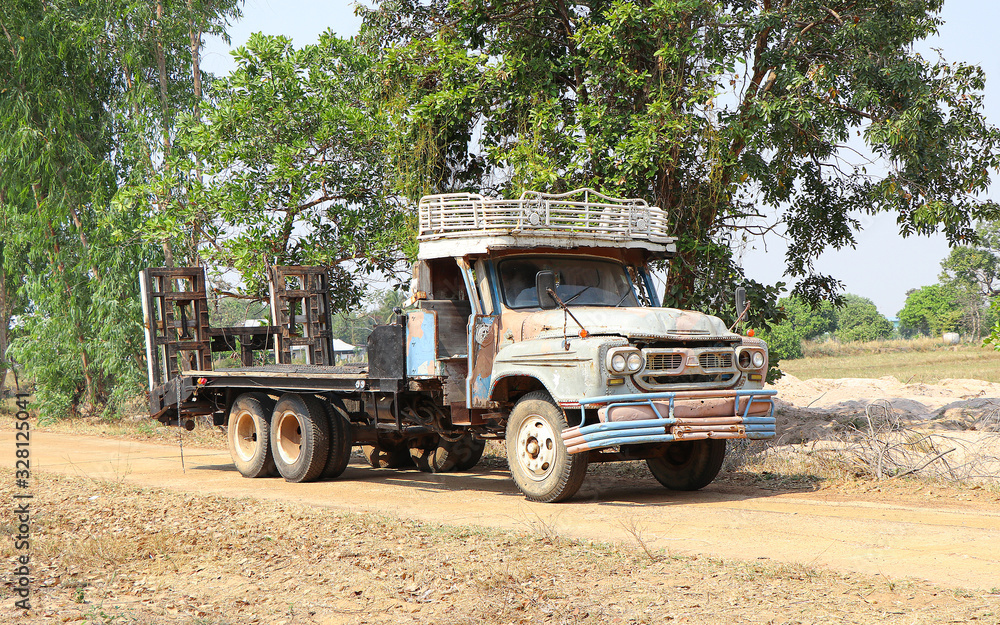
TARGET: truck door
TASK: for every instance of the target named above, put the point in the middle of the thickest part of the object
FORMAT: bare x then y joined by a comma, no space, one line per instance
483,335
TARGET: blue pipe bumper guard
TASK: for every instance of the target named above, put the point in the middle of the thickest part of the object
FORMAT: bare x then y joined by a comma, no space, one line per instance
667,428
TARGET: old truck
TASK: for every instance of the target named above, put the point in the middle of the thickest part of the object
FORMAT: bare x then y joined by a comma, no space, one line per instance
531,320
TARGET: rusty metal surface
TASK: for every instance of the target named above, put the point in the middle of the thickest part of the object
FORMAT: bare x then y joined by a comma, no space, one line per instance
749,415
300,307
684,408
175,312
421,341
483,345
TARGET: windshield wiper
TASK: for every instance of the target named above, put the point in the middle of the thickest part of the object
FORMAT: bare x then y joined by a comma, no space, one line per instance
579,293
627,293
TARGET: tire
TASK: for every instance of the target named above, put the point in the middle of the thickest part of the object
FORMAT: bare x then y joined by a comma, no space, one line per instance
249,434
341,441
689,465
300,438
539,463
430,456
468,452
388,455
448,456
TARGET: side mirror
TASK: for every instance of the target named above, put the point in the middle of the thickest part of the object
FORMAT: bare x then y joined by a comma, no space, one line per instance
545,281
741,301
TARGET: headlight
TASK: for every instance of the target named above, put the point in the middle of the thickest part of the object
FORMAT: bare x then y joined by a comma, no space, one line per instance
624,361
749,358
744,360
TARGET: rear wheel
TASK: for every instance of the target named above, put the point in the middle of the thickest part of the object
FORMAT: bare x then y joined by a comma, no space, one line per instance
249,435
689,465
388,454
340,441
468,451
441,456
539,463
300,437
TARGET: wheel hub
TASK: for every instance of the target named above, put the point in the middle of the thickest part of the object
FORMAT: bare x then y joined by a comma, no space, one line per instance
289,437
245,436
536,448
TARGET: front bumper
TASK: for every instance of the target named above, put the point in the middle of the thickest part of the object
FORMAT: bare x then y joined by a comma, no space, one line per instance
673,416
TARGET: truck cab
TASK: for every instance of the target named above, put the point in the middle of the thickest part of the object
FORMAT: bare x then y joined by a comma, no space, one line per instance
538,315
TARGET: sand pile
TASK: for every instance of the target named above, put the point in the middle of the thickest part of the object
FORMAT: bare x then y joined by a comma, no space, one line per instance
821,409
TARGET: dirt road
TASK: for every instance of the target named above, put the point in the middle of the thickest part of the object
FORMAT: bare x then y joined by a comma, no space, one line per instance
948,542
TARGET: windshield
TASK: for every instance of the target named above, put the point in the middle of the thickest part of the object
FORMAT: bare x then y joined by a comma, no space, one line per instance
579,281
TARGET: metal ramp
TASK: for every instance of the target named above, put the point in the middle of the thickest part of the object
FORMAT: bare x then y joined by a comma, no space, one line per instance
300,307
175,316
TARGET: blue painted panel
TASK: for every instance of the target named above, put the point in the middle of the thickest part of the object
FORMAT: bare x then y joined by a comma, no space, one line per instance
480,390
421,342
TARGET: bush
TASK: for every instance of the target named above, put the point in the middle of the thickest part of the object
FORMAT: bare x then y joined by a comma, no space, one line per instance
783,342
802,322
930,311
859,320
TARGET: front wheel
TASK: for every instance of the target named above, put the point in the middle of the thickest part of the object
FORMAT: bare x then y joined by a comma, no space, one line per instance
539,463
688,465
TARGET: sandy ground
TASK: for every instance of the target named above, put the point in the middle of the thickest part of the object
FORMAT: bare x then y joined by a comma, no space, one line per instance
901,540
814,409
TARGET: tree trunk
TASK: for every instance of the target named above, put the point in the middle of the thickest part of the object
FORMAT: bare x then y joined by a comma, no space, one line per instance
161,67
4,322
194,31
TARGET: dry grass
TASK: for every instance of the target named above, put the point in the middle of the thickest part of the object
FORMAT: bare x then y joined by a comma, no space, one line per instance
925,361
111,553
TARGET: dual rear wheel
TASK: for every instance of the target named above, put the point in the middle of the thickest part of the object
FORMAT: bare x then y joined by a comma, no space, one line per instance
430,454
299,437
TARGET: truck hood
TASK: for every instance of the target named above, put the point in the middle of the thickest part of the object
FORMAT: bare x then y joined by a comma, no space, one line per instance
634,323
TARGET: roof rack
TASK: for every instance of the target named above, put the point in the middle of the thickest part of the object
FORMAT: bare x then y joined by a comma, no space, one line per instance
454,224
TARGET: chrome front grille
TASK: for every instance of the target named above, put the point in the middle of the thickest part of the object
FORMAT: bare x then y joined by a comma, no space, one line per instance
716,360
663,362
687,367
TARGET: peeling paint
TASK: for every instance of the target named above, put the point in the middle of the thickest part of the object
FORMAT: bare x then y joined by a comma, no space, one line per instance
480,390
421,343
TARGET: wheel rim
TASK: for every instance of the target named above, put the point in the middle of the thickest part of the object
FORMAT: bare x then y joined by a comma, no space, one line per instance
536,447
247,438
289,435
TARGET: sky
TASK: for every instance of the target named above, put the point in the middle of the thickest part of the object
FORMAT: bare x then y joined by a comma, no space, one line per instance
882,267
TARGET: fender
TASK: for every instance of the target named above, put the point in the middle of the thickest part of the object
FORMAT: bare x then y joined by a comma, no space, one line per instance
567,374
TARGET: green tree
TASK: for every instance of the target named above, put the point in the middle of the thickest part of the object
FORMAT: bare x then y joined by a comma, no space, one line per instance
724,113
859,320
930,311
292,152
994,336
75,79
803,321
11,303
973,274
